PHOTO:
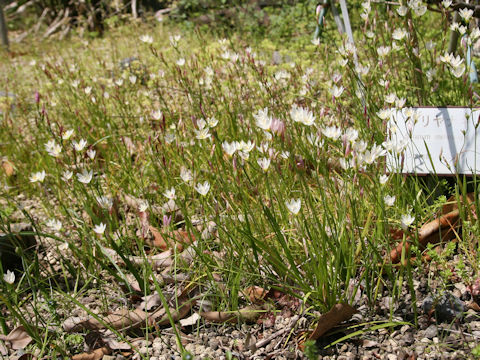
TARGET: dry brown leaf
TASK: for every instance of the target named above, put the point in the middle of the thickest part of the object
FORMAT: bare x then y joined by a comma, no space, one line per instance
110,339
178,238
248,314
149,302
255,294
17,339
117,320
337,314
177,314
93,355
8,168
3,350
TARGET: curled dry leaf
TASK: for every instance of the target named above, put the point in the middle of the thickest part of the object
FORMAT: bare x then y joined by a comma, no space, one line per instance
17,339
337,314
8,168
157,261
255,294
178,238
96,354
125,319
248,314
191,320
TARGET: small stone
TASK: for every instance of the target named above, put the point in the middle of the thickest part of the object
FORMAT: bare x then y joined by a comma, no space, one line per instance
213,343
108,357
431,331
392,357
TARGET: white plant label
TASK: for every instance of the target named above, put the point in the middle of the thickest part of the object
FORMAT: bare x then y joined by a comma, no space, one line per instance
441,141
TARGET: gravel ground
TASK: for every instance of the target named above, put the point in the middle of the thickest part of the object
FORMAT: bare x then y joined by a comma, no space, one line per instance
445,330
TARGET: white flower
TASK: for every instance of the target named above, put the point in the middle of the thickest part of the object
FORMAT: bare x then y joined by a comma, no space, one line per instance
285,154
54,224
142,205
38,176
359,146
157,115
383,51
301,115
229,148
133,79
100,228
264,163
406,221
212,122
148,39
389,200
203,189
245,146
91,154
186,174
390,98
446,3
79,146
67,175
385,114
294,205
105,202
458,71
262,120
332,132
202,134
85,177
181,62
170,194
399,34
383,179
466,14
336,91
315,41
88,90
351,134
420,9
9,277
400,102
53,149
67,134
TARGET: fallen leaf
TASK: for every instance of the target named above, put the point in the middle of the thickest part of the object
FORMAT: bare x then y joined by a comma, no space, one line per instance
473,305
248,314
3,349
17,339
116,320
191,320
178,238
93,355
337,314
149,302
255,294
8,168
110,339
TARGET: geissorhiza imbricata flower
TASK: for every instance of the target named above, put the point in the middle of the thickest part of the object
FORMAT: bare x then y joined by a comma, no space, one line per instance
264,163
170,194
229,148
181,62
67,134
202,134
100,228
80,145
148,39
54,224
38,176
337,91
293,205
389,200
186,174
67,175
9,277
85,177
383,179
301,115
104,201
406,220
91,154
262,119
203,189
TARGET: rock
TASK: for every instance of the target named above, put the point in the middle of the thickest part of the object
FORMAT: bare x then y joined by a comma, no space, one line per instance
431,331
446,308
276,58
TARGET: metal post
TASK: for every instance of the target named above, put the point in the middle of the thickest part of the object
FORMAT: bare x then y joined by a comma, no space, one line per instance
3,27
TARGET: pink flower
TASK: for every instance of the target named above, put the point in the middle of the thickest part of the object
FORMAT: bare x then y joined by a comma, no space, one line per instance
278,127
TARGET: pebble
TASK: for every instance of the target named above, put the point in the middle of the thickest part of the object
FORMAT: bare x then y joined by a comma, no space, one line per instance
431,331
